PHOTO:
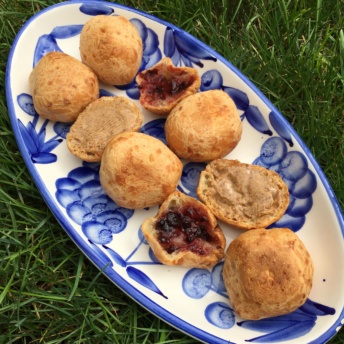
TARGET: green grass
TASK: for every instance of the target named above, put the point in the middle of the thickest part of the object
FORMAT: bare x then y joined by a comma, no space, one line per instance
49,291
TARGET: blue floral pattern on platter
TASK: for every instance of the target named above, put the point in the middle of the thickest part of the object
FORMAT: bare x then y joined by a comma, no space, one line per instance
81,194
301,181
290,326
183,50
199,282
102,222
101,219
39,149
47,43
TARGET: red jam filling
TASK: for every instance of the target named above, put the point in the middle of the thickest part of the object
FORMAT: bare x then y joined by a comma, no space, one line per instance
185,228
163,83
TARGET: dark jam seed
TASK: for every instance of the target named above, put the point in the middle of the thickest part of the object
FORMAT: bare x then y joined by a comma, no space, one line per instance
160,90
151,73
179,228
194,229
168,228
160,224
173,219
186,222
171,249
189,239
177,87
163,225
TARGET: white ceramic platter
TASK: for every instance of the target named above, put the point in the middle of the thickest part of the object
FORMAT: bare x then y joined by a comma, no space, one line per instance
192,300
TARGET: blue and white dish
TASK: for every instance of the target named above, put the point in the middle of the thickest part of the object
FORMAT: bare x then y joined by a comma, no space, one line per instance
193,300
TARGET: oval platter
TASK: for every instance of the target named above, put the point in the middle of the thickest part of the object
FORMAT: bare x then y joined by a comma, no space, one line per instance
192,300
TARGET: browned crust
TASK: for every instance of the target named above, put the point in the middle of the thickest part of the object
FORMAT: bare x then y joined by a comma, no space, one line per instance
184,258
62,87
138,170
112,47
204,126
267,273
243,195
99,123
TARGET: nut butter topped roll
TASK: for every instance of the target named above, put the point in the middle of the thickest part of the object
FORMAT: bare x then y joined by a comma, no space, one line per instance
243,195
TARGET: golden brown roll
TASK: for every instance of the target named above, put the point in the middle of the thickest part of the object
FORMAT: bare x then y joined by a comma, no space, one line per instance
62,86
103,119
138,170
267,273
164,85
184,232
204,126
112,47
243,195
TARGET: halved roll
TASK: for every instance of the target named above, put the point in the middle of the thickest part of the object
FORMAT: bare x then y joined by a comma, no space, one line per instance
165,85
99,123
184,232
243,195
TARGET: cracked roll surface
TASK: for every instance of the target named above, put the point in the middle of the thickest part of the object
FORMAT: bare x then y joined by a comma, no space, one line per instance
112,47
204,126
62,87
243,195
138,170
267,273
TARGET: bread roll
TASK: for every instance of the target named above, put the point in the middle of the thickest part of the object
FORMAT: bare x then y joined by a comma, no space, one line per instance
62,86
138,170
184,232
204,126
243,195
112,47
99,123
267,273
164,85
